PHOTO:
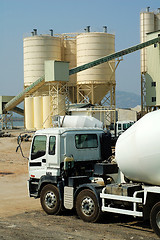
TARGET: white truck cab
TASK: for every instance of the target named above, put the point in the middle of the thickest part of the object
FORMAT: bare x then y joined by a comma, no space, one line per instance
64,161
120,127
50,147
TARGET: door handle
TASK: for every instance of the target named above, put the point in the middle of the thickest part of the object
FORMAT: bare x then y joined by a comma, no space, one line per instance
44,160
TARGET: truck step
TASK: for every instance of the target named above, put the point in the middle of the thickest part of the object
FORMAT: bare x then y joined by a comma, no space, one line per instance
134,200
33,195
122,211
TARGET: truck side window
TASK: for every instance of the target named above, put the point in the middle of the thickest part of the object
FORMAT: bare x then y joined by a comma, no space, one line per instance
126,126
38,146
86,141
119,126
52,145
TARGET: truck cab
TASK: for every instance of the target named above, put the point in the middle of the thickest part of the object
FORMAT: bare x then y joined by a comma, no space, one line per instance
59,153
119,127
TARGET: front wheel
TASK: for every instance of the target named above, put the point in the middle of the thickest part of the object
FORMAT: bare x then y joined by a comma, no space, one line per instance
155,218
50,200
87,206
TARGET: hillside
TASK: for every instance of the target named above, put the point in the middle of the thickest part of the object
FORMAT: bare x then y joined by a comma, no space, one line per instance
127,99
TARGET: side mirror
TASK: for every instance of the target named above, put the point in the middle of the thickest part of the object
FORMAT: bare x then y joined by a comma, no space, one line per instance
19,139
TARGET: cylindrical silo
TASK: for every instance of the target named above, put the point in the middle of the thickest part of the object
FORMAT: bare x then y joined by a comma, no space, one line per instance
147,25
29,113
37,49
157,21
71,57
91,46
47,111
38,112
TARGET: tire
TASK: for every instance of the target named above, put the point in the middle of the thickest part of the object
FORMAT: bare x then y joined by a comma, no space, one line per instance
155,218
50,200
87,206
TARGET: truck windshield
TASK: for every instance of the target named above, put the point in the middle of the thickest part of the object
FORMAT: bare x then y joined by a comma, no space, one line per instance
86,141
38,147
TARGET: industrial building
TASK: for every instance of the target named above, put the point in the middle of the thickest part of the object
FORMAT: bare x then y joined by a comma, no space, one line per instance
90,85
150,63
152,74
43,53
79,68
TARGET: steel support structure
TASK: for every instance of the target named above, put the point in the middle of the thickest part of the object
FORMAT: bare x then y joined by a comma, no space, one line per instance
6,121
58,91
108,101
88,97
89,93
59,99
143,95
106,115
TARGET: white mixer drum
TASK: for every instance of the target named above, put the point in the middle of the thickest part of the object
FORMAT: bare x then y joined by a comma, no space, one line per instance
138,150
80,121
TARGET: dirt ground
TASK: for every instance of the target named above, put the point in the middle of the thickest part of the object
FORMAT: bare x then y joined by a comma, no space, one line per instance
21,217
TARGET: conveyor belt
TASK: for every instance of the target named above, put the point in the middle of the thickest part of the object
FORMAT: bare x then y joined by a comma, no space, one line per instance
113,56
20,97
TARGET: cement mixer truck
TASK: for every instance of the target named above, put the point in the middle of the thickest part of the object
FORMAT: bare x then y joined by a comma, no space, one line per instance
73,168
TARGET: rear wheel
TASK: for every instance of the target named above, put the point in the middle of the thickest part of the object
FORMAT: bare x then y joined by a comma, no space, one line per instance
50,200
155,218
87,206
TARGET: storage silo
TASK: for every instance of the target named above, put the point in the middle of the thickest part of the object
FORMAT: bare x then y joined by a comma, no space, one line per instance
37,49
99,79
47,111
29,113
147,24
70,55
157,20
38,112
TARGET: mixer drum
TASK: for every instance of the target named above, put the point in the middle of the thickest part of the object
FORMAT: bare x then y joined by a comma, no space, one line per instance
138,150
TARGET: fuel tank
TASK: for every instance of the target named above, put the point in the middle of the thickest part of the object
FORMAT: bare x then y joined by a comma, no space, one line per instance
138,150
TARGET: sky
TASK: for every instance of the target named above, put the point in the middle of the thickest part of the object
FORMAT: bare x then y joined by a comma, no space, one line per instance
18,18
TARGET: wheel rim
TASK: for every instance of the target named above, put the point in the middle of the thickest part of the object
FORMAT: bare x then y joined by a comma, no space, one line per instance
158,219
88,206
50,200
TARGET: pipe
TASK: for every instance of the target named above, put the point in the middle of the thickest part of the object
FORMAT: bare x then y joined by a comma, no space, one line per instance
51,30
88,28
105,29
35,31
147,9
